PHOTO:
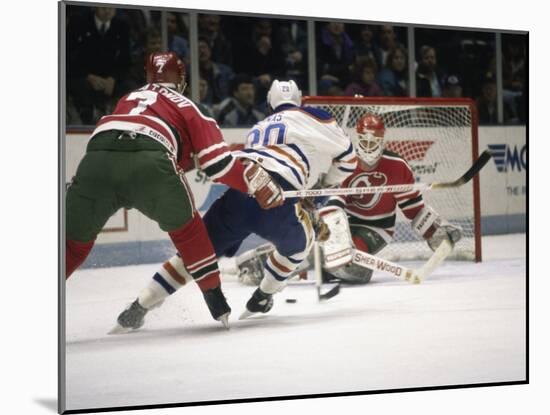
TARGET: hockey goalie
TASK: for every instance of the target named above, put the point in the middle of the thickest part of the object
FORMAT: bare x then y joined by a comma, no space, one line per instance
366,223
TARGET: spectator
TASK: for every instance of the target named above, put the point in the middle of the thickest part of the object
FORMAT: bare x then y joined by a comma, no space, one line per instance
388,42
261,57
393,78
139,21
487,107
264,64
365,84
428,76
292,36
334,91
335,54
261,27
366,46
176,40
153,43
513,69
203,93
209,29
98,62
238,110
514,65
217,75
452,87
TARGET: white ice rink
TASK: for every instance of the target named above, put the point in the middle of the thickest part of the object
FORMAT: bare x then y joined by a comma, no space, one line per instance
466,324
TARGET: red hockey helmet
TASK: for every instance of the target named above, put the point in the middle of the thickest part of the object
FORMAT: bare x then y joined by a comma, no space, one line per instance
165,67
369,138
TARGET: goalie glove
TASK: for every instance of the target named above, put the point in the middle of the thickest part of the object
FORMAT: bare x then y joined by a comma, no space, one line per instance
430,226
260,184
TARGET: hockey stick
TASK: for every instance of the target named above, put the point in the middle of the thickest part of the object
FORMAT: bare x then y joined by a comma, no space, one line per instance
366,260
415,276
396,188
319,276
439,255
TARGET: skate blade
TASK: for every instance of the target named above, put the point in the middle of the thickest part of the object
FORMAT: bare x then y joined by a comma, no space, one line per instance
224,319
118,329
245,314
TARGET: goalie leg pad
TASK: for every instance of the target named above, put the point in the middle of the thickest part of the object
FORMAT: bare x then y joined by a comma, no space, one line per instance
364,239
251,264
353,274
337,249
369,239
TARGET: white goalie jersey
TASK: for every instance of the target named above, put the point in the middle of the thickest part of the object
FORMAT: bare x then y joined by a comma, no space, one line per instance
298,145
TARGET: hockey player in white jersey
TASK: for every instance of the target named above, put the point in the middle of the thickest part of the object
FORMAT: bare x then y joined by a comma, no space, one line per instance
365,223
299,147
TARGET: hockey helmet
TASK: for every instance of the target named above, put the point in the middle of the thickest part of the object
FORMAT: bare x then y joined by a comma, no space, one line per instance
369,138
166,67
284,92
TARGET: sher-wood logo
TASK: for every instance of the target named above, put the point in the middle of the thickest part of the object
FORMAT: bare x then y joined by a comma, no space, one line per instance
379,263
367,201
414,152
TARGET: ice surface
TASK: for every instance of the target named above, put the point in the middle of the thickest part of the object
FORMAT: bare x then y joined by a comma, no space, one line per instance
466,324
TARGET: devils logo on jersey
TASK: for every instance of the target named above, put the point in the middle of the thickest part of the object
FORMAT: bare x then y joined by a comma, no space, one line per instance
367,201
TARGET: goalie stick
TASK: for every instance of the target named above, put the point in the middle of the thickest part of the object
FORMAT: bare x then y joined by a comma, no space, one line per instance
415,276
396,188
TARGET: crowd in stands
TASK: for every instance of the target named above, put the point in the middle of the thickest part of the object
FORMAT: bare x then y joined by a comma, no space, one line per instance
240,56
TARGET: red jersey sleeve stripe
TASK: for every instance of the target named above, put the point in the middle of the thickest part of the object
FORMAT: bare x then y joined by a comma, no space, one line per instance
205,151
213,156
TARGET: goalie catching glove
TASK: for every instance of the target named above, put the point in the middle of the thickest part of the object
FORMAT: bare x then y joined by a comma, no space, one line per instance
260,184
430,226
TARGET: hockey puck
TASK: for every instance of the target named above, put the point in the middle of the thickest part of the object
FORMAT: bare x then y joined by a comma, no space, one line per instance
290,300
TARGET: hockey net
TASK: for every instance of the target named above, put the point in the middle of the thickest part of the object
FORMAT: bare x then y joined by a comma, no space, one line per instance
438,137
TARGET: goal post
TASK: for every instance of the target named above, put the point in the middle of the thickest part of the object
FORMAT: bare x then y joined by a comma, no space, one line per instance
439,139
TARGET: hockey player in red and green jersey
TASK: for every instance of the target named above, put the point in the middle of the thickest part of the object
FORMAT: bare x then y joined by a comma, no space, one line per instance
371,217
136,158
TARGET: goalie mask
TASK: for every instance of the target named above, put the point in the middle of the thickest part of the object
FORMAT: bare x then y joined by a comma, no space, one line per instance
166,68
368,139
282,92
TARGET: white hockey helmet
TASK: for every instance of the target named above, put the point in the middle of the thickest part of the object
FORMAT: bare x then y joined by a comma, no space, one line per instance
368,138
284,92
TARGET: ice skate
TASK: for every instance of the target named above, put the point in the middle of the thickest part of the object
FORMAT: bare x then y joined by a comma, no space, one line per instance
260,302
217,304
132,318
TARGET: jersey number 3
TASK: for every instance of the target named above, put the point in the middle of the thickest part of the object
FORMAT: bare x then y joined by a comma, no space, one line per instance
273,134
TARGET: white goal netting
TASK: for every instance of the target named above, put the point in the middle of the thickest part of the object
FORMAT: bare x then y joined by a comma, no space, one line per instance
438,139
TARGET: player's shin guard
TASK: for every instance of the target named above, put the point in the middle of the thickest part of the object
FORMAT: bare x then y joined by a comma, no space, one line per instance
197,253
166,281
278,268
75,254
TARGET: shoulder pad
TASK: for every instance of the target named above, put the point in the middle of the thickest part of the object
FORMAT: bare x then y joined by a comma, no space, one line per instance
318,113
